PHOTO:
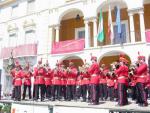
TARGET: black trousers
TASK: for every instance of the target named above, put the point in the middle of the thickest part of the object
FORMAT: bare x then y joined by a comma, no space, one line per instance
86,92
25,89
13,93
48,91
133,92
103,94
111,93
71,92
18,93
63,92
148,89
35,88
122,94
56,91
41,88
116,94
95,93
79,92
141,94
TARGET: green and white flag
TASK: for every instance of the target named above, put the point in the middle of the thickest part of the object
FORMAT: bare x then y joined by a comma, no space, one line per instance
100,36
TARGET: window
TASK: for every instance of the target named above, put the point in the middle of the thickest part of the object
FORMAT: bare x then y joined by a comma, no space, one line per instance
79,33
124,36
14,12
29,36
30,6
13,40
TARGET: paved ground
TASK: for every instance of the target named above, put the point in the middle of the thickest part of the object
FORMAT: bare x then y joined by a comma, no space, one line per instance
103,105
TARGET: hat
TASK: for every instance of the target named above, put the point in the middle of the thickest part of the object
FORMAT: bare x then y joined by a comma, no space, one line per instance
40,61
17,63
123,59
94,58
141,57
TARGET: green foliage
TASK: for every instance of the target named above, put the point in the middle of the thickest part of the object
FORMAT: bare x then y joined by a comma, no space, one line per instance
6,108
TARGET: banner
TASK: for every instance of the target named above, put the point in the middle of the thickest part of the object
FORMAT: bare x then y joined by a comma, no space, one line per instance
59,109
147,36
68,46
22,50
20,108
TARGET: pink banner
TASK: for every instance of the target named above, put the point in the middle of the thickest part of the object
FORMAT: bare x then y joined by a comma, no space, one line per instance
148,35
68,46
22,50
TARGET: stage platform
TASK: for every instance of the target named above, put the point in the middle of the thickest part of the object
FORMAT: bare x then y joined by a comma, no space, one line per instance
103,105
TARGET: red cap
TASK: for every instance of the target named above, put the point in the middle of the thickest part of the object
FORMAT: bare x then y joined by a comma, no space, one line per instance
140,57
17,63
94,58
123,59
40,61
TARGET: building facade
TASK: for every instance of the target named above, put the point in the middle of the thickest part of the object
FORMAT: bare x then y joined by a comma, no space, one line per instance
63,30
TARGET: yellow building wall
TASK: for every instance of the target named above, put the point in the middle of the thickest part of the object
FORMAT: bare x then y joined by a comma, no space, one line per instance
147,16
67,28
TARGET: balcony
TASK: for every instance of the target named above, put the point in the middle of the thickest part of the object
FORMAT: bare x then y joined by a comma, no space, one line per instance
68,46
19,51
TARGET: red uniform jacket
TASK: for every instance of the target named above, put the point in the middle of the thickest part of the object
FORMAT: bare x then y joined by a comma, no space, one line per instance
63,75
133,81
35,73
39,75
48,77
56,77
102,78
27,77
116,83
122,74
94,71
86,78
18,78
141,73
72,76
79,81
110,82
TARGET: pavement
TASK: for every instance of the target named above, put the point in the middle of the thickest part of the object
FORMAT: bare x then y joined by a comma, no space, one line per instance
103,105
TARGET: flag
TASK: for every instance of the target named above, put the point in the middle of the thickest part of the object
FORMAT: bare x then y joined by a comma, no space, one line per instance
118,20
110,26
100,36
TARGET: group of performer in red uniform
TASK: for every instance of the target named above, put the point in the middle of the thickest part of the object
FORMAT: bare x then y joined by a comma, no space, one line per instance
89,83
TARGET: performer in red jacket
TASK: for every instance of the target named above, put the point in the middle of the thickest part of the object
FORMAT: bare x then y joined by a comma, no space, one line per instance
18,81
110,86
39,79
103,83
122,75
27,81
48,80
85,83
141,73
63,74
94,80
56,83
71,81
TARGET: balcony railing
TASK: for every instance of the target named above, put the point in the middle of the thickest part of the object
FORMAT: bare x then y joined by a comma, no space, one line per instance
19,51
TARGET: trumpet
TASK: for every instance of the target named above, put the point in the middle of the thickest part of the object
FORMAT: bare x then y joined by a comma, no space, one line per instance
82,69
